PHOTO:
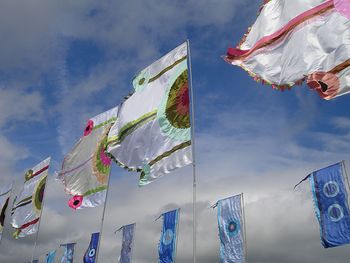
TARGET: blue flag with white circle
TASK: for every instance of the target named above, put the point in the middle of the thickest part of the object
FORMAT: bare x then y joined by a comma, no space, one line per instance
167,242
231,230
90,254
331,205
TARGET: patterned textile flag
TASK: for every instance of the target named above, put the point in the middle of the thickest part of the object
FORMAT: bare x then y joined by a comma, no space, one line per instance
26,211
167,242
230,230
50,257
5,193
90,254
296,40
331,205
153,132
86,168
128,237
68,253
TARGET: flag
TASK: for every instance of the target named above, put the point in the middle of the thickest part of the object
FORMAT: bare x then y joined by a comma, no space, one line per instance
128,237
293,41
35,261
231,230
331,205
5,193
167,242
26,211
90,254
50,257
86,168
153,133
68,253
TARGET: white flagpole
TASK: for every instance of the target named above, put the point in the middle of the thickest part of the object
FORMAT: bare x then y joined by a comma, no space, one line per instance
193,156
346,177
103,218
41,212
245,232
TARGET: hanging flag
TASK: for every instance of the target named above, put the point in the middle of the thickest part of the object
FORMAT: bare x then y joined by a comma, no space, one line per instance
128,237
27,207
331,205
86,168
50,257
90,254
296,40
68,253
5,193
231,230
153,133
35,261
167,242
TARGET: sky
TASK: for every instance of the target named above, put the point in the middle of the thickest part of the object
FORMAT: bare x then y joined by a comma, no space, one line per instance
62,62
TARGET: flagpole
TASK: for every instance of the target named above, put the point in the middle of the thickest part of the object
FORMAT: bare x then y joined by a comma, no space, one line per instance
103,219
346,177
245,233
177,231
41,212
193,157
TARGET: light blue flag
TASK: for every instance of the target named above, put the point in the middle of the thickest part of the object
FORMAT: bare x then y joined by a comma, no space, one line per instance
128,237
68,253
230,230
90,254
167,242
50,257
331,205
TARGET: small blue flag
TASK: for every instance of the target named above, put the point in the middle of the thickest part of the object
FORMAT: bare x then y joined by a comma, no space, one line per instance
50,257
331,205
68,253
35,261
128,237
230,230
167,242
90,254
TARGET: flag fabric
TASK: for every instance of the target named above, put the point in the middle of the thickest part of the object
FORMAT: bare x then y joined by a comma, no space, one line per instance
5,193
293,41
68,253
331,205
153,133
128,237
167,242
35,261
50,257
27,207
231,230
86,168
90,254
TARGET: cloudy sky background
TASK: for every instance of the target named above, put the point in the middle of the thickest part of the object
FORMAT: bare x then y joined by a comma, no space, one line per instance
62,62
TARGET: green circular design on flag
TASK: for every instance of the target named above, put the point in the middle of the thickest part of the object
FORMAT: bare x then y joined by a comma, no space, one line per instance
141,80
173,112
38,195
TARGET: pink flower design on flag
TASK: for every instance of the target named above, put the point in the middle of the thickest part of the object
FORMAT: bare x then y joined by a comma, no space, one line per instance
89,127
343,7
104,158
76,201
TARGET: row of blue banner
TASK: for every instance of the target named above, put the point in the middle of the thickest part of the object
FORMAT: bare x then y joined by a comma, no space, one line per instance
330,195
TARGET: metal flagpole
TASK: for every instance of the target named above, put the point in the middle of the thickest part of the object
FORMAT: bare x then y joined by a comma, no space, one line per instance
103,219
41,212
346,177
193,156
245,233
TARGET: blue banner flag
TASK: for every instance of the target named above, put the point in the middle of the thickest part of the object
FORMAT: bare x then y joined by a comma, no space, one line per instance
50,257
167,242
331,205
68,253
90,254
128,237
231,230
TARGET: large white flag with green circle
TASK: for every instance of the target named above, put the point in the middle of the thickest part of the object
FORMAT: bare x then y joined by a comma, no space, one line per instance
153,132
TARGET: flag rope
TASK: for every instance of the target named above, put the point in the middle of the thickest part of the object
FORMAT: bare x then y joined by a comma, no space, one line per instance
245,230
193,155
